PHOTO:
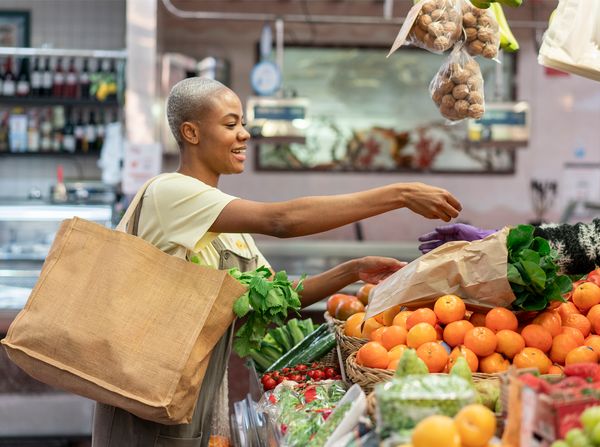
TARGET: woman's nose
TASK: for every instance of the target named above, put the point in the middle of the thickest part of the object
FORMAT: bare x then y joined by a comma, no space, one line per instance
243,135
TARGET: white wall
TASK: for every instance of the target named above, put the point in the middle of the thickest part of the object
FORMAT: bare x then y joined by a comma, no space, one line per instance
79,24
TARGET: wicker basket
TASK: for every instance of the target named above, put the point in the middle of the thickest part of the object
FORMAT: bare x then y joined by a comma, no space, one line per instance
364,376
347,345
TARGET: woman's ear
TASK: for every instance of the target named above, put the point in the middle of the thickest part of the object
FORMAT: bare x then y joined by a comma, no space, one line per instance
190,132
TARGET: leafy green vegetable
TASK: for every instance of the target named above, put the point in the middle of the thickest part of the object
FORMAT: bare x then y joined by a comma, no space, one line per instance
265,302
532,270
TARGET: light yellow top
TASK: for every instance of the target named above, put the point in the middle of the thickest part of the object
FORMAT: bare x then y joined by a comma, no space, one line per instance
177,212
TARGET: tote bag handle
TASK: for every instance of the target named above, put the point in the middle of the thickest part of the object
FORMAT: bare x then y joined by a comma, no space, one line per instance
134,209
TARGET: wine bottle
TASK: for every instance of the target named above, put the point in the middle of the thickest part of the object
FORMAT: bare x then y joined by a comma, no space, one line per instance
46,131
58,80
69,135
100,130
9,86
71,80
80,134
36,78
23,81
84,81
47,79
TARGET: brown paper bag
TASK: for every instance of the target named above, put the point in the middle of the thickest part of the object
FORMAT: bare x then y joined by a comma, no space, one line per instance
476,271
115,319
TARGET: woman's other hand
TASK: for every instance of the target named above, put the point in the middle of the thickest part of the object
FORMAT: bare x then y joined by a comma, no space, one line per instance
374,269
450,233
430,201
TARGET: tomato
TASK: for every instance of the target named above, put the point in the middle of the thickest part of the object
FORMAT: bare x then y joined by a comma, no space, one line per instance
329,372
318,375
301,367
295,377
269,384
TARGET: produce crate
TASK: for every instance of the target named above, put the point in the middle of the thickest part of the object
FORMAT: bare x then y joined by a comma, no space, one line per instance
545,418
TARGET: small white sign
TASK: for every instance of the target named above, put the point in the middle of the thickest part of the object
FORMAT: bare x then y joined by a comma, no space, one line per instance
142,162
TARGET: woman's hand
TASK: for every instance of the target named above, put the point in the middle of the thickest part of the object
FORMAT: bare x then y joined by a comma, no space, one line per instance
430,201
374,269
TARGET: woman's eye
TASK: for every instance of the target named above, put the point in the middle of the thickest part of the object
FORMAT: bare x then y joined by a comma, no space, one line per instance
244,123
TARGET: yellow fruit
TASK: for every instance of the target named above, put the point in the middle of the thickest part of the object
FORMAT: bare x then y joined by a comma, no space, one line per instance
436,431
476,425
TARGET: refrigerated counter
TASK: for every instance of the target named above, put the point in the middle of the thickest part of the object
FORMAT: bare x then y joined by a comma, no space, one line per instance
29,409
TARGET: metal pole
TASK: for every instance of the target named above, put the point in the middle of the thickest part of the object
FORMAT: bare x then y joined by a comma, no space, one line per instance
279,36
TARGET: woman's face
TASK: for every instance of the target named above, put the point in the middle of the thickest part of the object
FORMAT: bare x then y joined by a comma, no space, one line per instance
222,145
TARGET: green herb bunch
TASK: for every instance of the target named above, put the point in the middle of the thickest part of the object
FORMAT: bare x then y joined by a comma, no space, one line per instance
265,302
532,270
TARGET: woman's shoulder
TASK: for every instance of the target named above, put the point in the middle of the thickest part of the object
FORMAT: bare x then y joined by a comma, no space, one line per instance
176,183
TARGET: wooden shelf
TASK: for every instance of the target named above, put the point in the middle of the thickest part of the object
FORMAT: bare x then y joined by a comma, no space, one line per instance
34,101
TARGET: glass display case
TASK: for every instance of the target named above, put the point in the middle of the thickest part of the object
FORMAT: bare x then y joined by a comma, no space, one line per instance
27,230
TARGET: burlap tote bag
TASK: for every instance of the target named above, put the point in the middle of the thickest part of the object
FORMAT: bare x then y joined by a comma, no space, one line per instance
115,319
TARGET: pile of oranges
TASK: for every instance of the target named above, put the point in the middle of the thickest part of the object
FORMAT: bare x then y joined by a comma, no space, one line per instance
563,334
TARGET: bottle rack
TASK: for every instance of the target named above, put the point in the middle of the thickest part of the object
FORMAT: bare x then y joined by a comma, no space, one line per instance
50,90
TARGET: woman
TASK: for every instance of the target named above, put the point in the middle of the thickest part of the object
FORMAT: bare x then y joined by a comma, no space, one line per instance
578,245
184,214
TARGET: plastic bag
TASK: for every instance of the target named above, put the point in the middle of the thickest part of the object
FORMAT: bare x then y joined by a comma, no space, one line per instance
572,41
480,30
403,402
437,26
457,88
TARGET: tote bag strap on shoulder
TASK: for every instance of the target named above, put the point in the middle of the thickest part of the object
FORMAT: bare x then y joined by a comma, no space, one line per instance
133,210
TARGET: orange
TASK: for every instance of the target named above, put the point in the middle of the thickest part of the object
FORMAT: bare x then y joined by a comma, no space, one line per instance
550,321
363,293
218,441
500,318
334,300
463,351
481,340
376,334
566,309
581,354
352,327
393,336
370,325
348,307
536,336
397,351
477,319
573,332
593,341
533,358
373,355
454,333
434,355
390,314
423,315
401,317
436,431
594,316
493,363
449,308
562,344
379,318
509,343
476,425
393,364
586,295
580,322
439,332
555,369
419,334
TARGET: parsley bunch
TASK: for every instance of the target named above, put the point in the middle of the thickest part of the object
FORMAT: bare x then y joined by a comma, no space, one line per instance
532,270
265,302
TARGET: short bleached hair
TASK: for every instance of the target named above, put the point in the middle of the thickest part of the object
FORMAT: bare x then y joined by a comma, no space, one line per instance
189,100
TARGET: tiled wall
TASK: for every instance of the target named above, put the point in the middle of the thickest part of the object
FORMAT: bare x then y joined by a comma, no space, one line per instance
81,24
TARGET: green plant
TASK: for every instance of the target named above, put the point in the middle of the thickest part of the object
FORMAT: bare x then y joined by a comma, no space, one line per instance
532,270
